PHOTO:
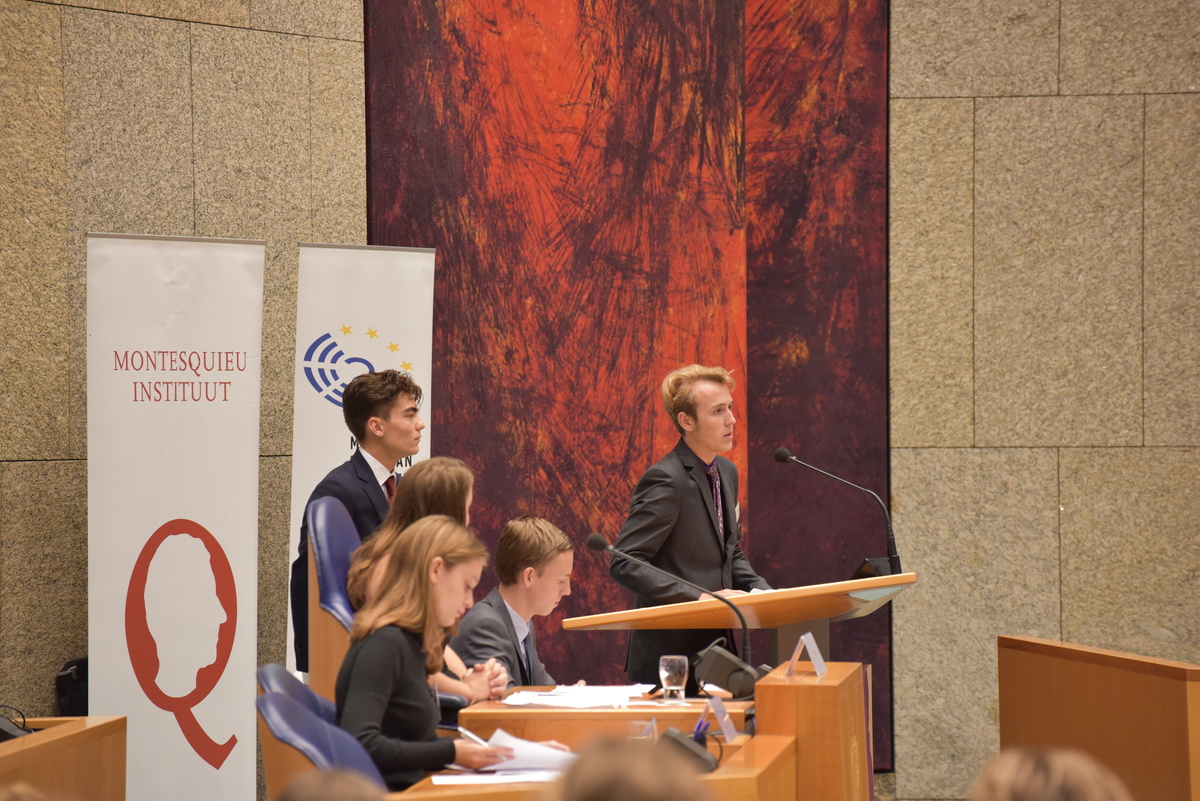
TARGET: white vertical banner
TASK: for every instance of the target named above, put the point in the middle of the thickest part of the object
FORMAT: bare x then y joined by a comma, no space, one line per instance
358,309
174,355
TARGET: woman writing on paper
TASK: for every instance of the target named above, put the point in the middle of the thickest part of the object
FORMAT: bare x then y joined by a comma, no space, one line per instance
383,694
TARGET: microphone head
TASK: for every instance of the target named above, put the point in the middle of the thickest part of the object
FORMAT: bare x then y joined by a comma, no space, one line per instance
783,455
596,542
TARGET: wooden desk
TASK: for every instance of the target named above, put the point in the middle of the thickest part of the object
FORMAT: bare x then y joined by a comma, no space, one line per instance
69,758
1139,716
575,727
759,768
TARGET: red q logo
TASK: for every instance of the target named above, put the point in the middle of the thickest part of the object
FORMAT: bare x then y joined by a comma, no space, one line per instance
144,651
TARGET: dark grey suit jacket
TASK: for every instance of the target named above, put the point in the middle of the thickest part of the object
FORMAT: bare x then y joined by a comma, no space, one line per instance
487,631
672,524
352,483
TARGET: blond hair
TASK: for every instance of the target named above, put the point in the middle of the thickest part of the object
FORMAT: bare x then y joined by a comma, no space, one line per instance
528,542
677,389
1056,774
437,486
407,598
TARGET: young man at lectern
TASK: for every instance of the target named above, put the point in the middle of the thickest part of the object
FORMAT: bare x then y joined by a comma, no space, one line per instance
684,519
382,412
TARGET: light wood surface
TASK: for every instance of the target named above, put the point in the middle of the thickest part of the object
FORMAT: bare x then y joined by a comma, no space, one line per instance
82,757
759,768
328,640
575,727
828,717
1137,715
842,600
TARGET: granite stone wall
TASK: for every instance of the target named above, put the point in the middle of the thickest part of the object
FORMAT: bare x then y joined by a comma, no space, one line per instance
1045,348
238,118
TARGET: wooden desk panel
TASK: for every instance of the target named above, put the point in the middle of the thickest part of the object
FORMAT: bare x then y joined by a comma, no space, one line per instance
81,757
575,727
1137,715
828,718
759,769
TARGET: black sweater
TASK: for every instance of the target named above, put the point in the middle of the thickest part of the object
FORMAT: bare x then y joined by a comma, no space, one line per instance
384,700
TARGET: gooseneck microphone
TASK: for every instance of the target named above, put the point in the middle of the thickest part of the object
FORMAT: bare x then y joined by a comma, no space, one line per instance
784,455
596,542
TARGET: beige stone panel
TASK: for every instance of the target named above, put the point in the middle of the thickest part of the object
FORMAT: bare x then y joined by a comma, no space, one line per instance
216,12
274,557
253,168
1130,46
929,271
334,19
1058,278
1172,270
339,142
129,150
100,5
43,578
33,255
968,48
979,527
1131,556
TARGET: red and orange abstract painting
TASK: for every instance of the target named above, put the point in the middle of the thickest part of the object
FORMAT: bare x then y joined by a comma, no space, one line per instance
616,189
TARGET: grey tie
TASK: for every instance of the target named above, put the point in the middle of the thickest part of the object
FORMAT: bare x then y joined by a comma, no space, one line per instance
527,658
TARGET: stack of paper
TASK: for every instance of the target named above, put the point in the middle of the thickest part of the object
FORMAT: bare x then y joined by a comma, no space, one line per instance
584,697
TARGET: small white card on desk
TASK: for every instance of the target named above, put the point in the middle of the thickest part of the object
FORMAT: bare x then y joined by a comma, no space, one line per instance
723,719
814,654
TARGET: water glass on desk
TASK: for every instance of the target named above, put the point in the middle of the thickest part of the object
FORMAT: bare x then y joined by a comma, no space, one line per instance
673,673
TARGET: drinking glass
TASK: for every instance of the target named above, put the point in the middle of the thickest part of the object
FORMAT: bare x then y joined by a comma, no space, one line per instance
673,673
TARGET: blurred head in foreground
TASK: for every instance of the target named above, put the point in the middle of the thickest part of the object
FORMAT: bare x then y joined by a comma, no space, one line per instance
332,785
1057,774
616,770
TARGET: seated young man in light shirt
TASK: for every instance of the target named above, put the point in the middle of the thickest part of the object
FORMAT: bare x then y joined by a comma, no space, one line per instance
533,562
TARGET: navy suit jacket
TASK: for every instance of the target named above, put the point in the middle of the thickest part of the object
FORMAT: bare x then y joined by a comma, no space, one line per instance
487,631
352,483
672,524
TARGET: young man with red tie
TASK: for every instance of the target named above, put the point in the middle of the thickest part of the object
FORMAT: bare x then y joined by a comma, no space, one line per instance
382,411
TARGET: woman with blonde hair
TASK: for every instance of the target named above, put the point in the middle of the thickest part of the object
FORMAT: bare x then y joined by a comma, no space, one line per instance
383,693
438,486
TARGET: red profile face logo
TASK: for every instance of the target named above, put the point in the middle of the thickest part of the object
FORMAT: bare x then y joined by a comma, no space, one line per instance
143,648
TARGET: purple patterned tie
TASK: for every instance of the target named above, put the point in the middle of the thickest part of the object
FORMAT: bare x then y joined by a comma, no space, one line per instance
715,478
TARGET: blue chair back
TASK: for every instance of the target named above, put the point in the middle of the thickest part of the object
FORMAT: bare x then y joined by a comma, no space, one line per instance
322,743
332,538
275,678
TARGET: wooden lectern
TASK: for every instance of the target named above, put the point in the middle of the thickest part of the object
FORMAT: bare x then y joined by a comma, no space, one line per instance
827,715
787,612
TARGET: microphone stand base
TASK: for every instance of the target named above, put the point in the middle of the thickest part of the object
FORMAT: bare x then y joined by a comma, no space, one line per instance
872,567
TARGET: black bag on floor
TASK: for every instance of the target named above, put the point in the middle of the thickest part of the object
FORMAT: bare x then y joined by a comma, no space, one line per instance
72,689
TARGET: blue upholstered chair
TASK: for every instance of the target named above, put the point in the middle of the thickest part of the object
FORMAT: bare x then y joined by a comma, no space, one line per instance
332,540
295,740
275,678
